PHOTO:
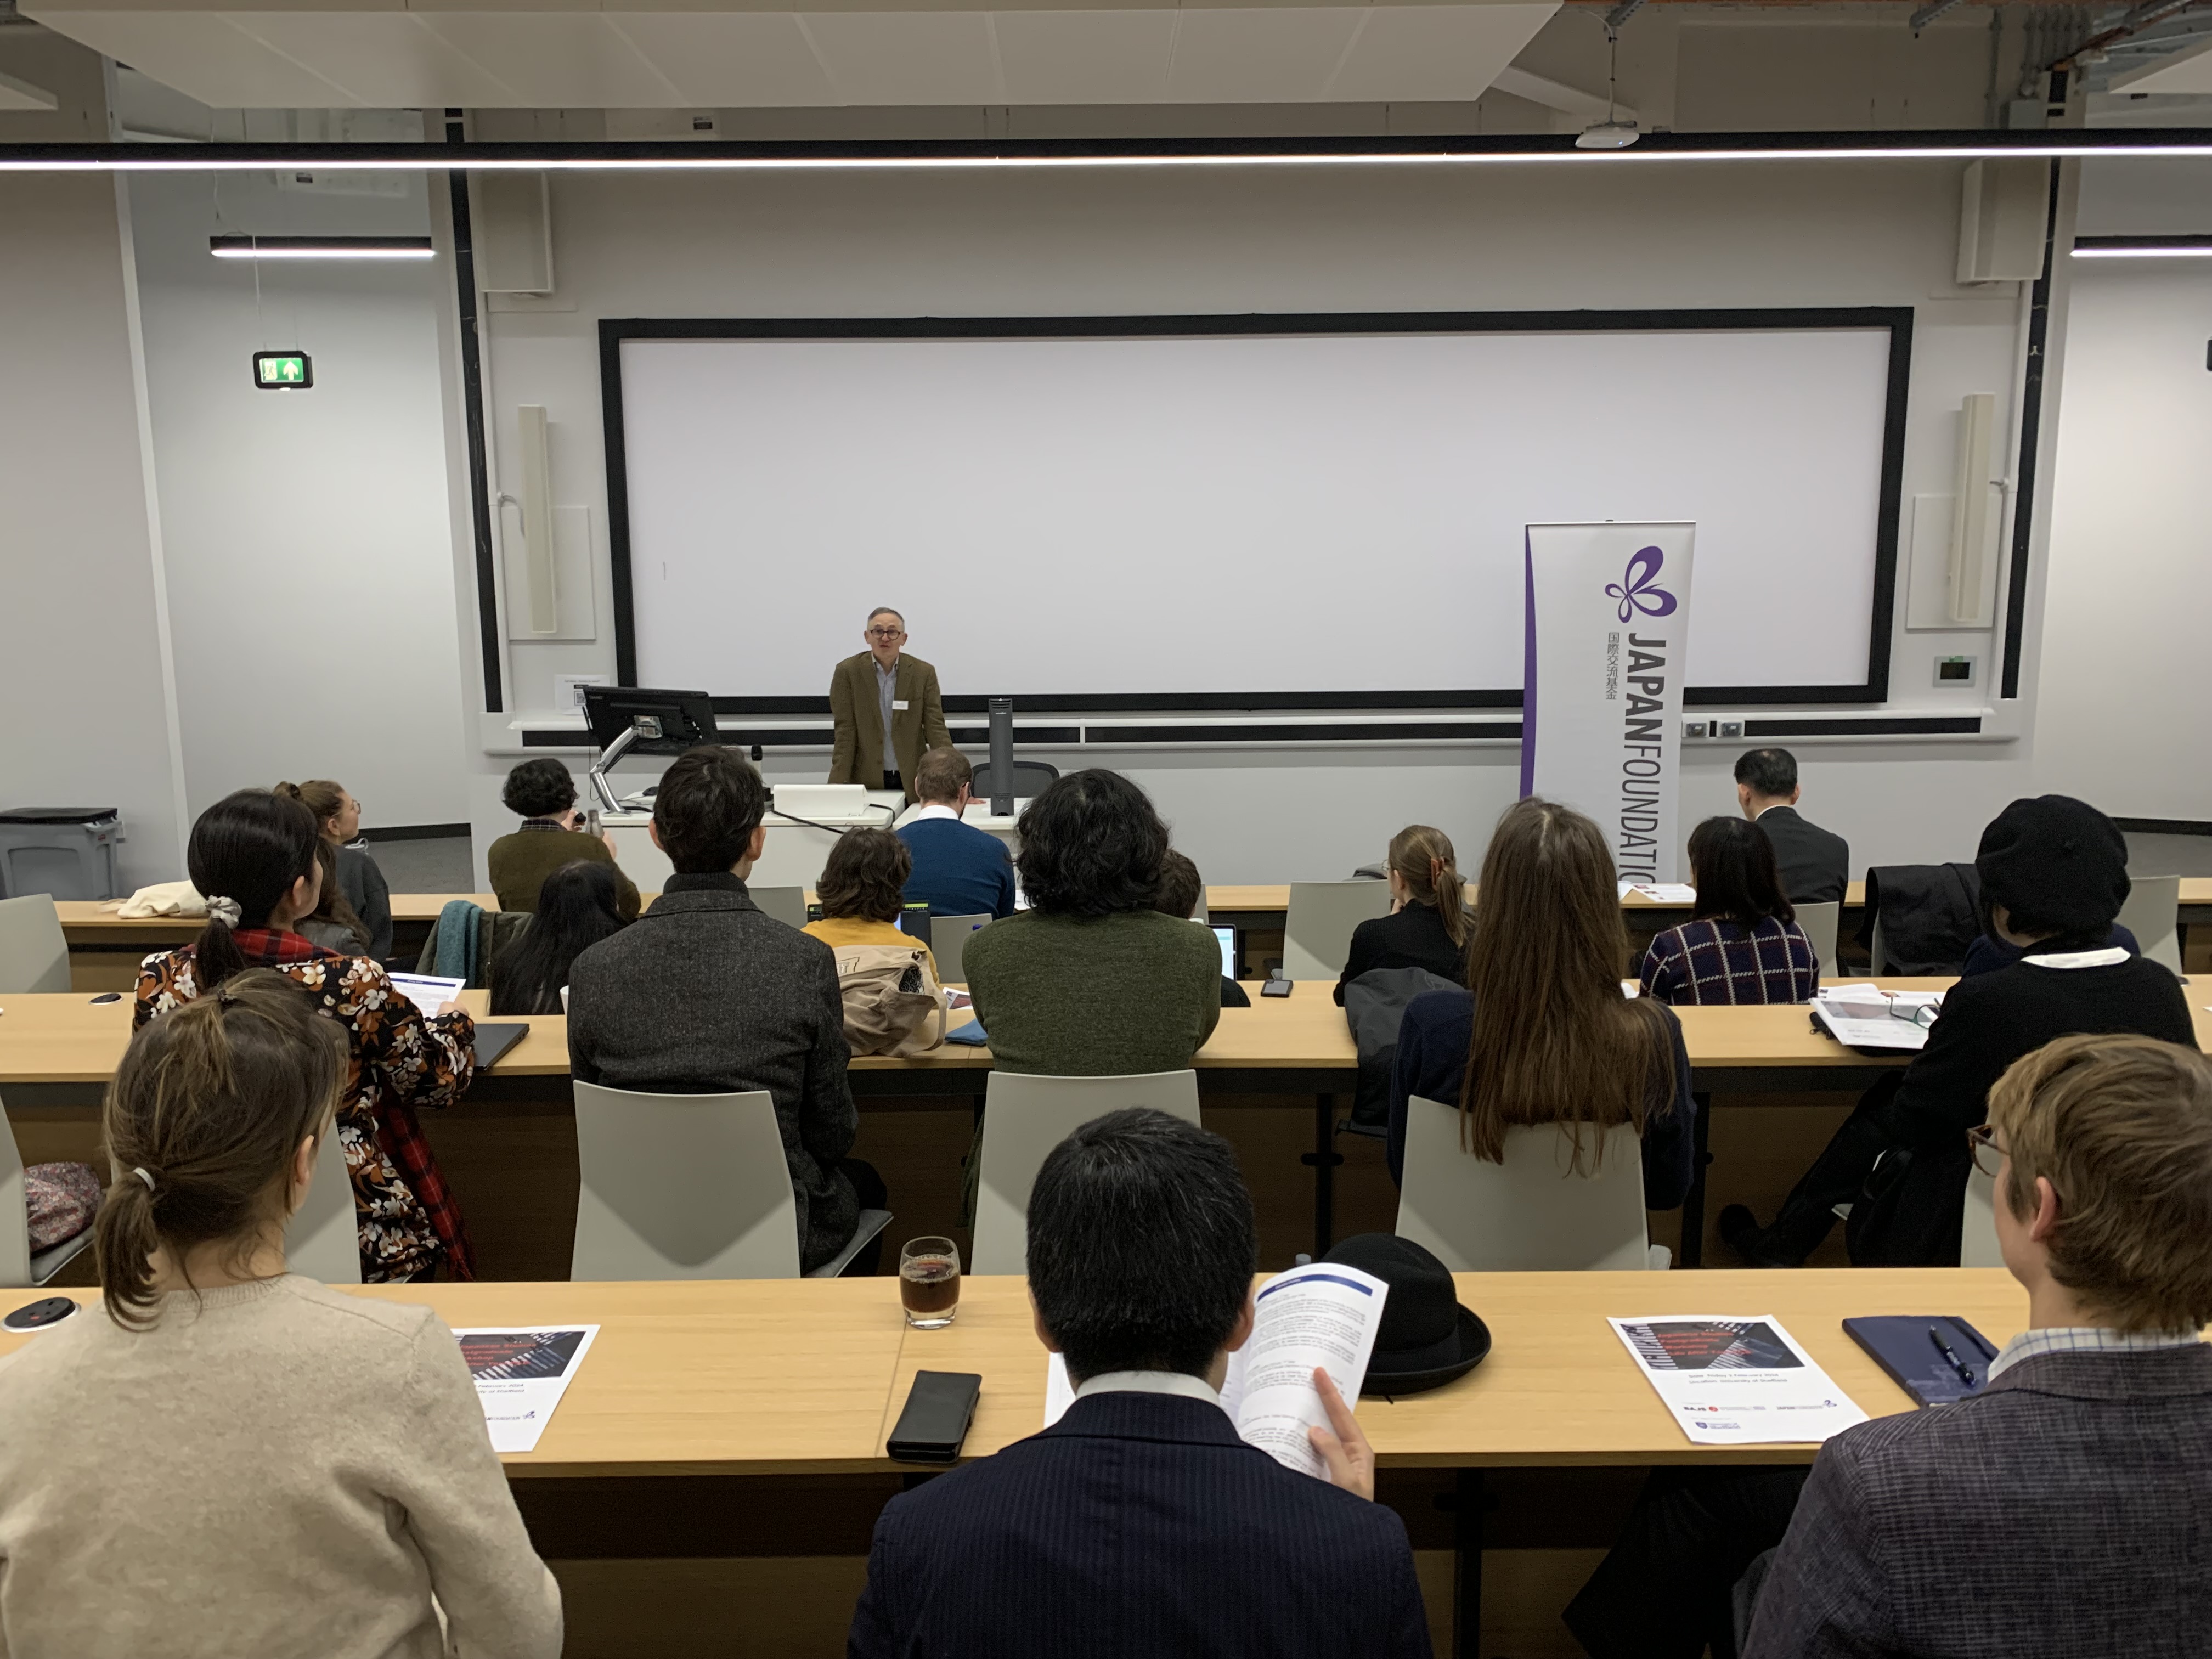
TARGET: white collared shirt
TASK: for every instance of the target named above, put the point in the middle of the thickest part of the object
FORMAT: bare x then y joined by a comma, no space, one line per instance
2085,1338
2104,958
1181,1382
935,809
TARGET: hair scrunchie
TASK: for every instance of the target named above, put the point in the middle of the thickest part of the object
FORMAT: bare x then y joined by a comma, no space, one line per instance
145,1177
224,910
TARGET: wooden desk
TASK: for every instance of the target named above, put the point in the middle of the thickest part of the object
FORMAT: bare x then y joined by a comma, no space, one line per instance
1558,1390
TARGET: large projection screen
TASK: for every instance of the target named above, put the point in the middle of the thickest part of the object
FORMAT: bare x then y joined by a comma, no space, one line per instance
1215,513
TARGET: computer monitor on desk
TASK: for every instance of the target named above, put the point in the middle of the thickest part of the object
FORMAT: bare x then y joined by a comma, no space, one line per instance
627,720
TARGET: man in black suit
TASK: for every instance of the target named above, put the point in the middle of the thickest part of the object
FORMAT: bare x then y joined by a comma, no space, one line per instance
705,994
1816,864
1139,1523
2064,1508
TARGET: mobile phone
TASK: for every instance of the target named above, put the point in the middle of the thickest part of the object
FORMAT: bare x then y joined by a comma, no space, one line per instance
1276,987
934,1420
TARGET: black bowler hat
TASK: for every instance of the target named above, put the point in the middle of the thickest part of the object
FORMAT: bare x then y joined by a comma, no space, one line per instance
2056,863
1426,1337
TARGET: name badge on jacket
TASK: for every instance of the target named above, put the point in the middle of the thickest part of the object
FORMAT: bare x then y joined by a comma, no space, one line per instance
898,705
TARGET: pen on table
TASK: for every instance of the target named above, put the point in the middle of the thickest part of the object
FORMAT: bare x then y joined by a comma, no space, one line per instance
1966,1371
1976,1338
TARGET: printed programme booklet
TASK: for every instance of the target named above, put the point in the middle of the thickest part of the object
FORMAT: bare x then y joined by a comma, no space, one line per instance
1322,1316
1736,1380
520,1374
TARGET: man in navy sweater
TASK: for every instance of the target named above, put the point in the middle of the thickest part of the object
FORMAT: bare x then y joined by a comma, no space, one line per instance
1139,1523
958,870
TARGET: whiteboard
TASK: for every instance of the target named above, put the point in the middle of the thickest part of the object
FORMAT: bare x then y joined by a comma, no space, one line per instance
1297,517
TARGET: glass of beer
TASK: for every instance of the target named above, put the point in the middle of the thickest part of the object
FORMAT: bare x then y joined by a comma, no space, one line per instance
929,1282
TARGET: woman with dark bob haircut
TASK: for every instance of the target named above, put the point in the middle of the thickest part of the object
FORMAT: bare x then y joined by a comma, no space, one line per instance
1092,980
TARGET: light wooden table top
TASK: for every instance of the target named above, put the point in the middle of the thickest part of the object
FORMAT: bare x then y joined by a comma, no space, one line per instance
64,1037
795,1377
1558,1388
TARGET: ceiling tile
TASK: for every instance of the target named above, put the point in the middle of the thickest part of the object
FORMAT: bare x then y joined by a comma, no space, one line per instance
555,60
1085,57
1252,56
1409,54
906,57
730,60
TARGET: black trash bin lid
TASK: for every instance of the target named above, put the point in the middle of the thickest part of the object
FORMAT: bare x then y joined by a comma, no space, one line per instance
58,814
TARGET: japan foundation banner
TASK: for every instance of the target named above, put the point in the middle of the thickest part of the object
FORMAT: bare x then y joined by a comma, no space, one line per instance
1608,642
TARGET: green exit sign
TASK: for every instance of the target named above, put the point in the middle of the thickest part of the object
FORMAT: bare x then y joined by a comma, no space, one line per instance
283,371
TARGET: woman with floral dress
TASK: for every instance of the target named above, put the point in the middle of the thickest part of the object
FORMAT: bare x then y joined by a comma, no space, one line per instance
252,855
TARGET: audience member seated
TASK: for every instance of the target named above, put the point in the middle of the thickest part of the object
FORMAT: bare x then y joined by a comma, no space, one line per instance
1429,923
577,907
1816,864
706,995
1543,1034
1092,981
337,815
552,835
1181,888
254,855
2064,1508
2053,875
333,923
226,1458
861,890
1741,943
958,870
1140,1524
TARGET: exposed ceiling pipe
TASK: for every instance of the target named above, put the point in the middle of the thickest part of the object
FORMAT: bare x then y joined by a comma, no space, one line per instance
2092,51
1927,14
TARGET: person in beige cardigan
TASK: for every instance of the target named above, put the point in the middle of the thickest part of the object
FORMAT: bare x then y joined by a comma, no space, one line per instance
224,1458
886,709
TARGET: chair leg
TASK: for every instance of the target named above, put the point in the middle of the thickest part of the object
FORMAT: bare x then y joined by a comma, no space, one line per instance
1693,1253
1324,1158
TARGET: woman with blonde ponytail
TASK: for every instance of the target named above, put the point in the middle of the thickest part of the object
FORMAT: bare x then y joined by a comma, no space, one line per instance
241,1459
1428,924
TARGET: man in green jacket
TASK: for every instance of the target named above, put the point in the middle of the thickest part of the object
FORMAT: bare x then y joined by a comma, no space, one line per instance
887,710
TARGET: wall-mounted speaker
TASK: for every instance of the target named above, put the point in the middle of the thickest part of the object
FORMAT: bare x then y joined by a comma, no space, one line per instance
2004,213
514,233
1977,510
540,582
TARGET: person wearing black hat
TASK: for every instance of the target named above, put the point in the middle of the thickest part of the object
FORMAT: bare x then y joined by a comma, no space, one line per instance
1141,1522
2053,877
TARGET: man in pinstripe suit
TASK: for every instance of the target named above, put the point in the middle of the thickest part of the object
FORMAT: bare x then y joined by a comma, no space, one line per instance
1139,1524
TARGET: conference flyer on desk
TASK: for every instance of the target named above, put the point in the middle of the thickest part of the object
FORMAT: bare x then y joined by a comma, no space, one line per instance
1736,1380
521,1373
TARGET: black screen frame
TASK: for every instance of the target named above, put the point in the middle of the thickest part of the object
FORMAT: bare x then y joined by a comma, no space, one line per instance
1897,319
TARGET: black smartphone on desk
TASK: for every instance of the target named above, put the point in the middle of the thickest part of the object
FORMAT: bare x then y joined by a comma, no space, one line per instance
939,1408
1277,987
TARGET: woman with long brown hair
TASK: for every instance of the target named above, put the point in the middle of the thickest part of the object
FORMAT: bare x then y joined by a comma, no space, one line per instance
244,1460
1429,923
1542,1034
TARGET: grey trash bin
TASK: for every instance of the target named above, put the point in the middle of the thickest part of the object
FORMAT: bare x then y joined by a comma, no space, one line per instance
66,851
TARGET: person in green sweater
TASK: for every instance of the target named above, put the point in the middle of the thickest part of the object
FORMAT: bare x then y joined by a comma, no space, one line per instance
1092,980
552,835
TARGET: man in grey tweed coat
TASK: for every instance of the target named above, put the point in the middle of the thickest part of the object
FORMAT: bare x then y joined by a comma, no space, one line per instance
705,994
2066,1507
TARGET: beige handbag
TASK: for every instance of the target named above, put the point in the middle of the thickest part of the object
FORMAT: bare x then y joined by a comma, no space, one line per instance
890,998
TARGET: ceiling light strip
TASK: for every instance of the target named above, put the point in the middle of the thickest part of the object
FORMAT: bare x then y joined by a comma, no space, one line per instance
2144,247
846,157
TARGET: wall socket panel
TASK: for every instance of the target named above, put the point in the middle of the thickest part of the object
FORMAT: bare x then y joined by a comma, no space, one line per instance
1723,729
1728,729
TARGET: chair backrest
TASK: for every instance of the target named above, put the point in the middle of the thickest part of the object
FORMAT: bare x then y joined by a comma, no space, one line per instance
786,904
1877,958
1199,913
15,1214
34,955
1030,780
682,1187
1317,926
948,943
1023,1118
2153,914
1530,1212
1819,922
323,1238
1977,1235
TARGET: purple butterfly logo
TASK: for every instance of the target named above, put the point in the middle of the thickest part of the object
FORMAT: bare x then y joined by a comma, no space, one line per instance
1638,587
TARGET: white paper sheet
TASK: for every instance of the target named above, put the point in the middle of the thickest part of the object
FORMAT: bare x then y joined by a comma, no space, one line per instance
1736,1379
429,993
521,1373
1668,892
1322,1316
1859,1016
